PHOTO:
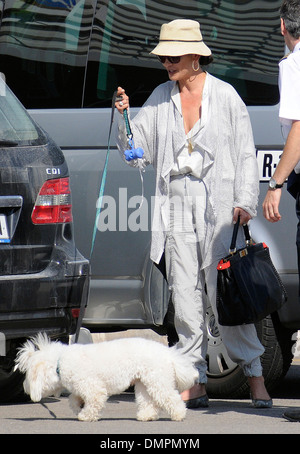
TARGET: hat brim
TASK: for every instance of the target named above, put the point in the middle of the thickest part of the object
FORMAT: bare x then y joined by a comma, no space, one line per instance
176,48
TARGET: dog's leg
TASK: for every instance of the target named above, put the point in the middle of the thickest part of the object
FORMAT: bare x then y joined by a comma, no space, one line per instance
93,404
172,403
147,409
162,391
76,403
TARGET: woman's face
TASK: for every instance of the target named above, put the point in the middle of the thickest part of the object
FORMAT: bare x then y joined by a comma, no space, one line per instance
180,71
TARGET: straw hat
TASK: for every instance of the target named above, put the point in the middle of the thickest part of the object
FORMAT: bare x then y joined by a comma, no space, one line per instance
181,37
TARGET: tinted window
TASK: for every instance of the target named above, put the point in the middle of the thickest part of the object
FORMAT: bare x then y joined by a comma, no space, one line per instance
244,36
47,44
16,127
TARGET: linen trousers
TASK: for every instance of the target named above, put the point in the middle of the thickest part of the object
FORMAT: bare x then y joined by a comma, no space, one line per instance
192,288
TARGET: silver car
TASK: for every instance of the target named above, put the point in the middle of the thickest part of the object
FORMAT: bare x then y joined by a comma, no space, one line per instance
64,60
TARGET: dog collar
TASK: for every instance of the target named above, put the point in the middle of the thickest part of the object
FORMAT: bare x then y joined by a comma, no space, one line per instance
57,368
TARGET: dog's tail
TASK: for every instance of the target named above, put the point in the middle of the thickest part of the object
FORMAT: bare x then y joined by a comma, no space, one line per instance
186,374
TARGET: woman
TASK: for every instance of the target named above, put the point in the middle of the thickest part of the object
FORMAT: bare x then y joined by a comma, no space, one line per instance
195,131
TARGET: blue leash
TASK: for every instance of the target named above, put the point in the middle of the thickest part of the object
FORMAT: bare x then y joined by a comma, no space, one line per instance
101,192
104,174
131,153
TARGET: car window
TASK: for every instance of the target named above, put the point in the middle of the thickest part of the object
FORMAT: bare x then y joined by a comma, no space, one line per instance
43,48
16,126
244,36
74,53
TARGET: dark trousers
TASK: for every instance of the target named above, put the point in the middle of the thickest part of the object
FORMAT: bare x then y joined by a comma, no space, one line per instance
293,187
298,235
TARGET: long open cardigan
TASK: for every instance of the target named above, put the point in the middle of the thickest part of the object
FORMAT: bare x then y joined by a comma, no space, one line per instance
230,172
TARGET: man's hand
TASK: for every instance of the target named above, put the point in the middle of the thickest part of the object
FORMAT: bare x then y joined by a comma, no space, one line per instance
271,205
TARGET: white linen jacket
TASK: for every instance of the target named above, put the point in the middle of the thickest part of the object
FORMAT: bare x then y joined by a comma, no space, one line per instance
230,171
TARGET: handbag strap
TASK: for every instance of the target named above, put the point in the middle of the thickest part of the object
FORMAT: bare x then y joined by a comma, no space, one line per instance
234,236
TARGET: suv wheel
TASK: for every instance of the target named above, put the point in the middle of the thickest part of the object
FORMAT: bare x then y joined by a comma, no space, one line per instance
11,382
226,379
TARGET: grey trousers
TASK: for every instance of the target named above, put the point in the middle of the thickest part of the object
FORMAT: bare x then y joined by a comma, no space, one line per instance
187,283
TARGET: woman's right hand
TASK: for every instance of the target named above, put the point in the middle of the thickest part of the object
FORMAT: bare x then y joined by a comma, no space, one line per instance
122,103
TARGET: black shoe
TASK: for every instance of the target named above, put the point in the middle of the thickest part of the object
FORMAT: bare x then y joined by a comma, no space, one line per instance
262,403
292,415
197,402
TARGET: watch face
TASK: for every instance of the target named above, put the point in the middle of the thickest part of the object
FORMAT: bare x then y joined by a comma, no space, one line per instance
272,183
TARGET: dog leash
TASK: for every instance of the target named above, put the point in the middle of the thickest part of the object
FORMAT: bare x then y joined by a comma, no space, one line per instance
131,153
104,174
98,210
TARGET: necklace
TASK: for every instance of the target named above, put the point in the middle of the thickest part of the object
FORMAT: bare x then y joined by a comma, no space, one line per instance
190,147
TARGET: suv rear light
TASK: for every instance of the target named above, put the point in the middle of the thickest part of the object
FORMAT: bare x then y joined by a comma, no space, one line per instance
53,204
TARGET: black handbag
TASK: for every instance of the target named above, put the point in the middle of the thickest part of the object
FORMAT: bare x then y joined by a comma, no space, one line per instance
248,285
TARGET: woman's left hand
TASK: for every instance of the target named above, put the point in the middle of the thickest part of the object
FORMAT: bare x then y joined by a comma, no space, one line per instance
244,216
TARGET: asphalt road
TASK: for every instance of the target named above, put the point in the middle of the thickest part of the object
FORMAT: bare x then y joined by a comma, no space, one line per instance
53,416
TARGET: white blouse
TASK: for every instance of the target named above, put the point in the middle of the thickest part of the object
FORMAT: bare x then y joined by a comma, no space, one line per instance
230,167
189,159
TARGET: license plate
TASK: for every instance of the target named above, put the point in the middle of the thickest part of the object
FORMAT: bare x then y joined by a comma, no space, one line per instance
4,235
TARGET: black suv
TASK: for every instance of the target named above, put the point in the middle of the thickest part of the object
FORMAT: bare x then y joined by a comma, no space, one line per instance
44,279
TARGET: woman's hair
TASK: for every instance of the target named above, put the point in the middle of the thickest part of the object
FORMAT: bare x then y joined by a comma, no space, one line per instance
204,61
290,13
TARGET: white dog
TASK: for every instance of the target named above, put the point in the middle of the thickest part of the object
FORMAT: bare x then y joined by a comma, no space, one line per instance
93,372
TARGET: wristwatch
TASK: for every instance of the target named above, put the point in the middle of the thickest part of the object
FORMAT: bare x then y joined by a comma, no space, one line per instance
274,185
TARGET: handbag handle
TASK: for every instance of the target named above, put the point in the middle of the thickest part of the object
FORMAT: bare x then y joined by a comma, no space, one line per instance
234,236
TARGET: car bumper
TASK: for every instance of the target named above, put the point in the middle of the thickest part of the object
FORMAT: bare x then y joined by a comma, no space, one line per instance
45,301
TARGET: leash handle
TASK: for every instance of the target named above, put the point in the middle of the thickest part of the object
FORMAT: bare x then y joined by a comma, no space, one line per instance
128,129
126,119
132,152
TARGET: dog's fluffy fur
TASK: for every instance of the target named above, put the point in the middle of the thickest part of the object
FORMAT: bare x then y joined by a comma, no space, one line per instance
93,372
